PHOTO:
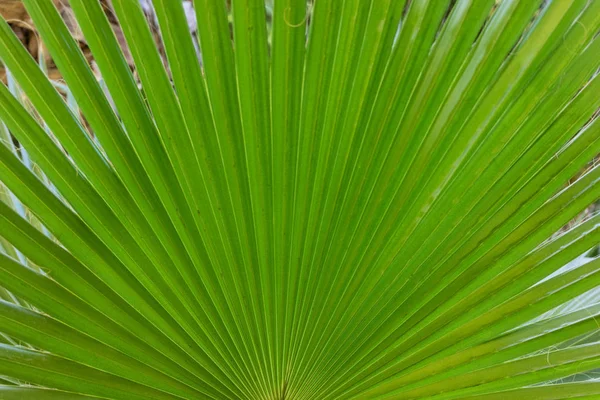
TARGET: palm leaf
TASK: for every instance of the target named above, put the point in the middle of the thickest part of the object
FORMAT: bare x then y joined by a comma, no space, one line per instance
342,199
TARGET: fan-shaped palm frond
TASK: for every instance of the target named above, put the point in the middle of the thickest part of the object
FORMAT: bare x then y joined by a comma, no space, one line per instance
357,199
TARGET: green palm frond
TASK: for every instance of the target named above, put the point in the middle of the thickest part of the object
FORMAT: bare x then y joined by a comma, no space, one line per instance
338,199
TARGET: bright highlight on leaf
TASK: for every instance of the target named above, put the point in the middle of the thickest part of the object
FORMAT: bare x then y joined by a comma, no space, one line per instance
341,199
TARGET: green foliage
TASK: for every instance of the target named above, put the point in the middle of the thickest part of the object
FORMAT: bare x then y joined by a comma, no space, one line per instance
359,200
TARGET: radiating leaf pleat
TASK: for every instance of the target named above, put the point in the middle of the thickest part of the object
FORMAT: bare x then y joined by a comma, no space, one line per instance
297,199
